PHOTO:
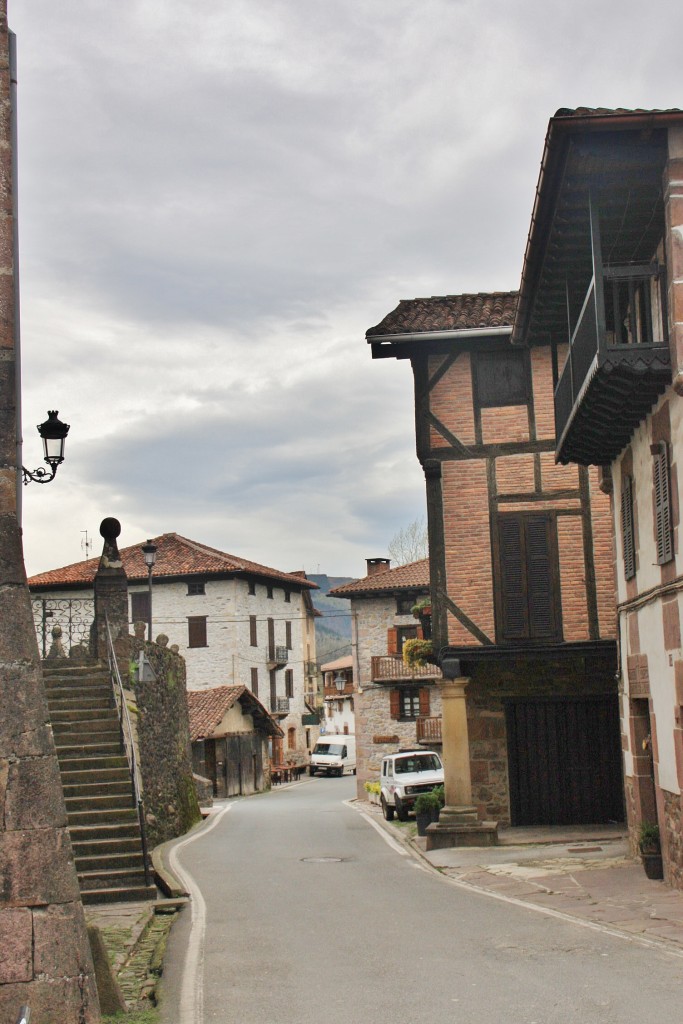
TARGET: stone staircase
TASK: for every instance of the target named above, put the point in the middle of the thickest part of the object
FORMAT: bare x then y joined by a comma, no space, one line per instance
101,812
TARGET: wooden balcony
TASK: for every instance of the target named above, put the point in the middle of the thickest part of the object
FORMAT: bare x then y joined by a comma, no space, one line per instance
347,691
428,730
618,364
387,669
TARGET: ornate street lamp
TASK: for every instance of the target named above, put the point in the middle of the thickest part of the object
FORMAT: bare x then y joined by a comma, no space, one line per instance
340,681
53,433
149,550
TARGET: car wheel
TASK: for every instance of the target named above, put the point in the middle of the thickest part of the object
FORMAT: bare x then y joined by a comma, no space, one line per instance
388,812
311,771
401,812
340,772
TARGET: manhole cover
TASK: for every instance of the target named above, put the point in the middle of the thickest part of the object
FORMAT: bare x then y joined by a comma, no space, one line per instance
322,860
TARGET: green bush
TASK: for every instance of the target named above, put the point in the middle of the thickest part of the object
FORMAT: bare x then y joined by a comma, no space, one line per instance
426,803
648,836
438,792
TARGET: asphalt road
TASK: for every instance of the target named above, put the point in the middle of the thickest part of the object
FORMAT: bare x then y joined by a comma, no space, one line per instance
312,918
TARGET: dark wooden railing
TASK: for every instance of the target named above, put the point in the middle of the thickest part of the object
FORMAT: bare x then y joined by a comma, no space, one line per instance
428,730
387,668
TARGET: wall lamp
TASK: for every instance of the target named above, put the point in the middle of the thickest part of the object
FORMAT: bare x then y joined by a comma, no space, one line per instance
53,433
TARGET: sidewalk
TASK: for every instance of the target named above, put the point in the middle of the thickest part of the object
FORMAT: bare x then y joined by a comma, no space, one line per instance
584,873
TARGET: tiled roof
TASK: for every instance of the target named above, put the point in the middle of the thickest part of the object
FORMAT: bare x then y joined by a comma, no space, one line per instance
611,111
207,707
176,556
413,576
340,663
448,313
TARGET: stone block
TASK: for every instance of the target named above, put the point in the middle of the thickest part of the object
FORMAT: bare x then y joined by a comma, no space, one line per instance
17,637
25,732
34,796
37,868
16,946
61,947
12,569
62,1001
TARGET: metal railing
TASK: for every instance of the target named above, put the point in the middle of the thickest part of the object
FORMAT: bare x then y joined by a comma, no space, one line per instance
278,655
75,615
280,705
388,667
128,742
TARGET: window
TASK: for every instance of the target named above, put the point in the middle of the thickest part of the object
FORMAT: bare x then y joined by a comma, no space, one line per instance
291,738
288,597
404,604
289,682
253,640
288,635
139,607
528,592
409,702
196,589
269,592
251,588
254,681
662,496
627,527
196,631
501,378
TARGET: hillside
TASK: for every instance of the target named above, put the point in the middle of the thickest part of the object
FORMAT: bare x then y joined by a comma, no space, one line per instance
333,630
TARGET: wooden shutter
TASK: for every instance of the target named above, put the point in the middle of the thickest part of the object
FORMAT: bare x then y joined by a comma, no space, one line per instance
252,631
662,504
627,532
392,641
289,682
196,631
288,635
420,633
395,704
424,702
528,576
254,681
512,578
139,607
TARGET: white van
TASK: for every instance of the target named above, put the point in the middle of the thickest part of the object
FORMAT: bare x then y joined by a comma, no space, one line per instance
334,755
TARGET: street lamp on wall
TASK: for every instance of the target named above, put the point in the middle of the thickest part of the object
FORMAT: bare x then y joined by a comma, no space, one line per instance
340,682
53,433
149,550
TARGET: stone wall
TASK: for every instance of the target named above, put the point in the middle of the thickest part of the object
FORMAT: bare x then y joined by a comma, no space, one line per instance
672,839
163,730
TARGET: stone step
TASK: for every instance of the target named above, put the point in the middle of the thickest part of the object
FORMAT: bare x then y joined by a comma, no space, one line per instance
101,802
133,894
103,727
95,774
76,751
109,816
100,832
87,790
109,863
60,716
74,677
103,847
89,763
118,877
76,699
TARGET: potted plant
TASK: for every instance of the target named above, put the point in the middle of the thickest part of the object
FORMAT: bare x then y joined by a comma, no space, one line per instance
440,795
417,653
422,610
425,807
650,849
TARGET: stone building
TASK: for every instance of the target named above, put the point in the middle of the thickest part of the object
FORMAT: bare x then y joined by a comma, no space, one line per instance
396,705
45,957
235,622
603,282
521,564
339,695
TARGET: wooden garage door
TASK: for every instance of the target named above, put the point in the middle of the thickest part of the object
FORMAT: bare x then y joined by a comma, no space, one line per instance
564,759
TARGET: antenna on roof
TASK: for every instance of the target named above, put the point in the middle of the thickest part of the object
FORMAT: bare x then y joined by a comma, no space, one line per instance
86,544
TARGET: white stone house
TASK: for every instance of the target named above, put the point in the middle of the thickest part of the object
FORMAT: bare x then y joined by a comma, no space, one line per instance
339,697
395,705
236,623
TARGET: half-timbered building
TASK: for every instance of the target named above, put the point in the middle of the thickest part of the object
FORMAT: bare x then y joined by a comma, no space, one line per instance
521,564
603,282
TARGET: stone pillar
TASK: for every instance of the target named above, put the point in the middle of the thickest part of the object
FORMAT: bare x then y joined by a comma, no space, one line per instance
45,959
458,823
111,591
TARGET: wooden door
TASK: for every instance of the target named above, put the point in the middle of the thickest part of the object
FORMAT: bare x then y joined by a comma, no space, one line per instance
564,760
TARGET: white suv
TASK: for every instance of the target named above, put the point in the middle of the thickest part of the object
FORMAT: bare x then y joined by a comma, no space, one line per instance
404,776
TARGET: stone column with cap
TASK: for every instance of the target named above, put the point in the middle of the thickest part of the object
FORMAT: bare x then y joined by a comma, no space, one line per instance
111,590
45,959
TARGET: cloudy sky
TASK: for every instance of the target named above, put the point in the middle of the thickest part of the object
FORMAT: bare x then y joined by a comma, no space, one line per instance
218,198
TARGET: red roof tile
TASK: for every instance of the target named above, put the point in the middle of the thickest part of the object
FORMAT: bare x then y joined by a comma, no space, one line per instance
448,313
207,707
176,556
413,576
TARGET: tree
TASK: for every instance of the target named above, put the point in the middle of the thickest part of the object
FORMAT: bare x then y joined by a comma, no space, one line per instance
410,544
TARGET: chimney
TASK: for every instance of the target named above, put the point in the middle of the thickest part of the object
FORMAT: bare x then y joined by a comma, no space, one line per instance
376,565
